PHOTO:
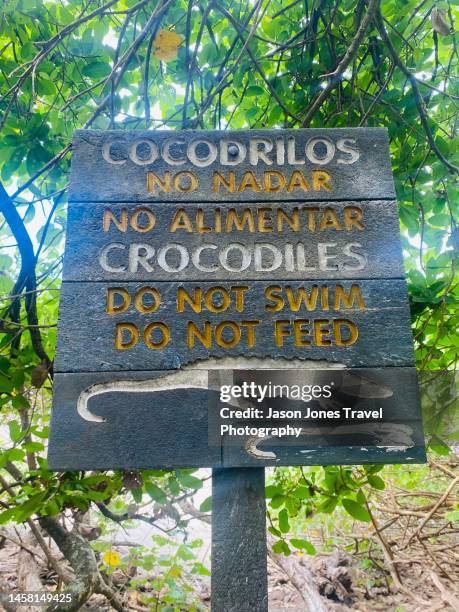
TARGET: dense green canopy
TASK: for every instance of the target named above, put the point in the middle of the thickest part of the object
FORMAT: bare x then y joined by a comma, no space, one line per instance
221,64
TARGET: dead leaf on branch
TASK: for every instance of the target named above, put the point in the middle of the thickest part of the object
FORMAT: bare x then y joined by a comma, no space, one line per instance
40,374
439,23
166,45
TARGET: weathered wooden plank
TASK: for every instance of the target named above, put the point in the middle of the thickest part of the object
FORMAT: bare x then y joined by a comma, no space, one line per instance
161,429
330,433
239,554
345,163
159,419
365,323
393,390
329,455
291,240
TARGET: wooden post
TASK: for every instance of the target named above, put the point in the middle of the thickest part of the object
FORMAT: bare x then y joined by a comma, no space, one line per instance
239,553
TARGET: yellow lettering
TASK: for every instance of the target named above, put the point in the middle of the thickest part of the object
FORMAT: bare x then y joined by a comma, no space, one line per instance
310,213
121,344
301,329
200,226
329,220
297,181
343,300
280,331
239,223
218,180
296,299
151,220
185,181
321,332
153,294
194,302
271,187
109,217
250,326
153,181
148,335
223,299
352,217
111,307
271,294
338,324
265,220
193,332
180,220
249,181
239,292
235,331
321,180
293,221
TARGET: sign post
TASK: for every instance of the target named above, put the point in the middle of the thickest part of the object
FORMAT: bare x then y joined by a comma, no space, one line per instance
200,266
239,556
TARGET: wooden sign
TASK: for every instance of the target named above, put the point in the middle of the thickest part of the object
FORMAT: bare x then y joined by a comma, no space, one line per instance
255,165
190,252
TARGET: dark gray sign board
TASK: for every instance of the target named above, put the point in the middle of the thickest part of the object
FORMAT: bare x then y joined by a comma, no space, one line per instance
194,251
286,241
238,166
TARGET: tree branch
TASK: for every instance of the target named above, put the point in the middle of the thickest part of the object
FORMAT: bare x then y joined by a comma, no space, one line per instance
417,94
27,277
335,76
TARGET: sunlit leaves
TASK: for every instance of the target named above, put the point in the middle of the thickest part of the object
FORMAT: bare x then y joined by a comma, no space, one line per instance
356,510
90,76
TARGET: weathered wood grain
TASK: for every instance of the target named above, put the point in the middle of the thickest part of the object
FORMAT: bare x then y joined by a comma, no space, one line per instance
154,423
96,179
395,390
113,408
316,453
87,333
395,437
239,553
92,246
142,430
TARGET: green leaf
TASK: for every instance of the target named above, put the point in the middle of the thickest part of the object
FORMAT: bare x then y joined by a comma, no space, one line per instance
30,506
137,495
188,481
356,510
206,505
284,524
19,401
376,481
274,531
155,492
302,492
184,553
46,87
272,490
96,496
281,548
15,430
328,505
452,516
174,486
6,384
254,90
34,447
277,501
303,545
7,516
97,70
